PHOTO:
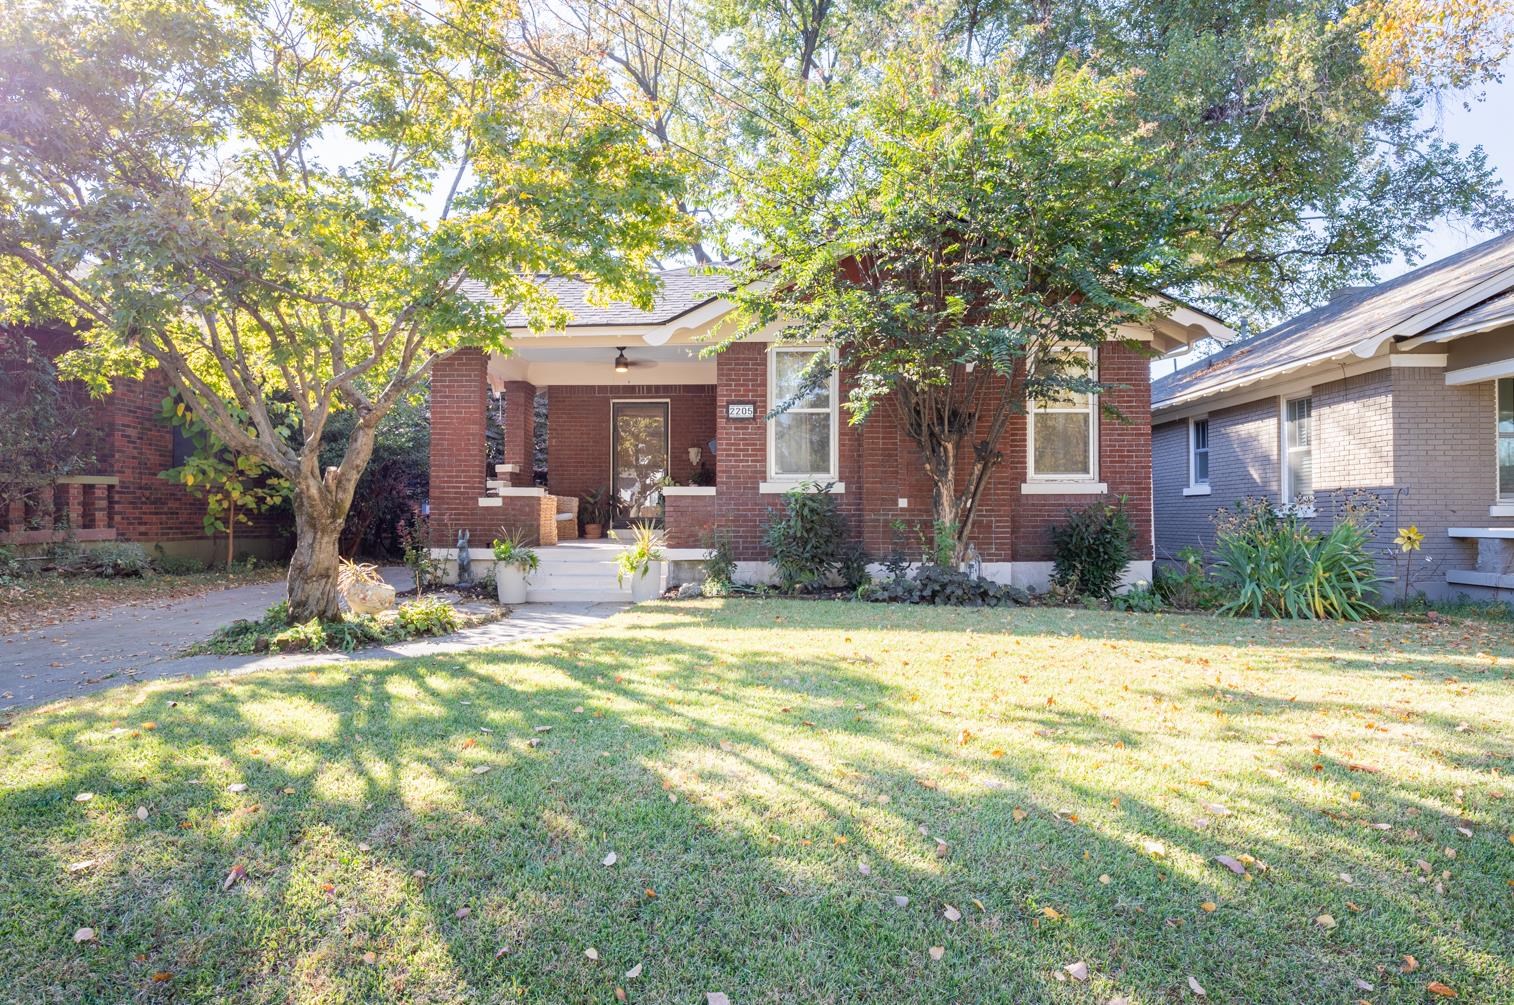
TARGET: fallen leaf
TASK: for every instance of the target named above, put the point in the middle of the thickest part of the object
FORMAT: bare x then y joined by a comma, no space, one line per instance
483,769
936,952
88,863
1209,906
1437,988
84,935
141,812
1077,971
1051,914
1155,848
1231,864
237,787
942,849
84,797
633,973
610,859
1325,921
715,998
951,913
236,874
592,953
1362,985
620,994
864,868
1020,814
901,901
1410,965
462,912
162,977
1105,880
370,957
1196,987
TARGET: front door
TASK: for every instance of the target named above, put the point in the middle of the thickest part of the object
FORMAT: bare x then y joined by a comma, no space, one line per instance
638,458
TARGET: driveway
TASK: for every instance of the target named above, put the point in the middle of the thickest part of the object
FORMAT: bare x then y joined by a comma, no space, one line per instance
141,642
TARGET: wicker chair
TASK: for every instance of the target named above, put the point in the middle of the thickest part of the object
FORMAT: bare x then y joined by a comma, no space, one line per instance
567,518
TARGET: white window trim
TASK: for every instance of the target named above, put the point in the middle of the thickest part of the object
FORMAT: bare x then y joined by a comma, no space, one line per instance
1074,484
1503,505
784,482
1285,497
1196,487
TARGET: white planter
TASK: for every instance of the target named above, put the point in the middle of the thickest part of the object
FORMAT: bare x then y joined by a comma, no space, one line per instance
510,580
649,586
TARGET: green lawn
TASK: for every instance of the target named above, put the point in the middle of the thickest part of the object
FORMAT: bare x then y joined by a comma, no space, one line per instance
770,777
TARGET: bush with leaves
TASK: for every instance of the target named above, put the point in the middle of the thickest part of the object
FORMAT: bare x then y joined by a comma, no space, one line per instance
426,616
943,586
719,565
1272,563
1187,586
118,559
393,485
810,545
1092,549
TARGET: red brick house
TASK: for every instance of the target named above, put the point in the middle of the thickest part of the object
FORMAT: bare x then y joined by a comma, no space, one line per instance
121,497
633,386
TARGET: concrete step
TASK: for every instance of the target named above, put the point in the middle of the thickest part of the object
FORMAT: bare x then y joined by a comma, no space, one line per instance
563,596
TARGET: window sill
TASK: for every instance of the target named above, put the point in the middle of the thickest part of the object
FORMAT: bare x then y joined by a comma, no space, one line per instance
778,488
1501,509
1197,490
1064,488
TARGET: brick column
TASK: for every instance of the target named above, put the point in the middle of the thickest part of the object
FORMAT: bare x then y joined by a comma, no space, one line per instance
520,431
459,399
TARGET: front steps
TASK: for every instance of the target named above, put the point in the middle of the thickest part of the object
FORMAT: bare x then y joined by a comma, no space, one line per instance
579,571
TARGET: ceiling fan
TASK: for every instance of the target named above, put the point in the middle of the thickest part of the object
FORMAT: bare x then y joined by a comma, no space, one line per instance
624,363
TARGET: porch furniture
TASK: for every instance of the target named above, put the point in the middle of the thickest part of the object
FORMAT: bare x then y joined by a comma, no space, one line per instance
567,518
1494,568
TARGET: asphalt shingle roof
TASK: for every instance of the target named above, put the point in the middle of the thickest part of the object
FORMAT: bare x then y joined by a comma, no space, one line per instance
682,291
1334,328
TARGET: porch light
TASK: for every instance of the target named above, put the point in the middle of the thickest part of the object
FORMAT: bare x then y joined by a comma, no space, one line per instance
621,363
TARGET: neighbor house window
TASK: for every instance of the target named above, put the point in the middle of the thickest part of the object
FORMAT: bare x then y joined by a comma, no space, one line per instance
802,438
1298,450
1506,439
1063,433
1198,452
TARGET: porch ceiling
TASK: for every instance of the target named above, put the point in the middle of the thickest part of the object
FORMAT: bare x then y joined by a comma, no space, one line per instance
544,366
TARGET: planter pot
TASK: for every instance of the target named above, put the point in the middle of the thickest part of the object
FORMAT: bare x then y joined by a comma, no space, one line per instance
369,598
649,586
510,580
593,531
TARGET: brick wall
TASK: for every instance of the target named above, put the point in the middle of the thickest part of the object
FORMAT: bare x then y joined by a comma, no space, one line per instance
690,520
578,431
1243,462
519,424
459,399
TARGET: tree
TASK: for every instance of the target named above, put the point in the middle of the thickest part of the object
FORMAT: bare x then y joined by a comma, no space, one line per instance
957,255
234,485
237,195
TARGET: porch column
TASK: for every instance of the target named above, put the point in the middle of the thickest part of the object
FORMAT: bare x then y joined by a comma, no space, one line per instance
520,434
459,400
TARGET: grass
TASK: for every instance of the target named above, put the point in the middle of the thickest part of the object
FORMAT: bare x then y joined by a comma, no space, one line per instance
38,601
744,760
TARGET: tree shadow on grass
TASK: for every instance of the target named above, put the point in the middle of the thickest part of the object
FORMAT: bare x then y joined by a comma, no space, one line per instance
741,787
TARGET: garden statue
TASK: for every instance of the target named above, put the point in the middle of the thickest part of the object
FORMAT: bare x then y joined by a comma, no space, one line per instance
464,562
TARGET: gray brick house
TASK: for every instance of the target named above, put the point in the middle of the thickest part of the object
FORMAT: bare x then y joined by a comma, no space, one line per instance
1404,390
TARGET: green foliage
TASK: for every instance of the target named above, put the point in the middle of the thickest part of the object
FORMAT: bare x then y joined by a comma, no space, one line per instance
512,549
115,559
719,565
1141,598
394,483
425,616
1092,549
1188,586
415,540
646,548
810,544
943,586
176,565
1273,564
234,485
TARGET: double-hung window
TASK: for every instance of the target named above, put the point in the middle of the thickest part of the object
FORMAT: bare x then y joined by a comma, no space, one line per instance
1198,454
1064,433
1506,440
801,438
1298,451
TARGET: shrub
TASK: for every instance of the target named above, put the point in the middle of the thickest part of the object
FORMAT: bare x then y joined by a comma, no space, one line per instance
415,539
1092,549
177,565
719,565
1275,565
943,586
425,616
118,559
1187,587
1140,598
810,545
310,636
11,566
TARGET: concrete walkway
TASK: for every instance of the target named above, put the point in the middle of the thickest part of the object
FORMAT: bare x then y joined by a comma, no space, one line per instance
141,642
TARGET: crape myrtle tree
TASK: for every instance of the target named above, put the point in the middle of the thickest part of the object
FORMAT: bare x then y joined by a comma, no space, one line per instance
244,197
975,188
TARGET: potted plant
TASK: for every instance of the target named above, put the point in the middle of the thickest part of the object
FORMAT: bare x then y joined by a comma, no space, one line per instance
514,560
641,563
363,588
594,508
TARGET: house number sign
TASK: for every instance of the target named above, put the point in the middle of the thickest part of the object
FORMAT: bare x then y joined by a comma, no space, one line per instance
741,410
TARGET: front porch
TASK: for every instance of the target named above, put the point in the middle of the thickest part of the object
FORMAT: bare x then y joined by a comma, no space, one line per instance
576,571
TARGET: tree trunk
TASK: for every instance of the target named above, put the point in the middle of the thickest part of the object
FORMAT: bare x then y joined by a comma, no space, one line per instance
315,565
